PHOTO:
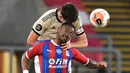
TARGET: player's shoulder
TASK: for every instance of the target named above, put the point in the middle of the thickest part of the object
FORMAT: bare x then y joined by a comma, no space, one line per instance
49,11
42,42
78,19
73,49
48,14
78,22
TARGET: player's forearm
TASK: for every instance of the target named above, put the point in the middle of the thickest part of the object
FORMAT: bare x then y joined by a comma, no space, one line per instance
24,62
92,64
31,43
80,44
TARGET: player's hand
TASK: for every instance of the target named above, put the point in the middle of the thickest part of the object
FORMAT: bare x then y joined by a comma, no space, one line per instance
66,46
102,64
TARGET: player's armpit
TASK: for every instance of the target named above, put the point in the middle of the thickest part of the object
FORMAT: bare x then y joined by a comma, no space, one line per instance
24,62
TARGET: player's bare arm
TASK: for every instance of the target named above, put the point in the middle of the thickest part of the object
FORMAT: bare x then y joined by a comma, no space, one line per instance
77,55
35,32
32,38
24,63
29,54
93,64
82,41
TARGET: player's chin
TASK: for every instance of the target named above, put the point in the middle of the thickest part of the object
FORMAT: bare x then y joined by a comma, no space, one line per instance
65,40
68,39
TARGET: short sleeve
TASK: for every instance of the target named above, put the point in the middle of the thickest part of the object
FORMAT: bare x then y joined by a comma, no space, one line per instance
40,26
78,56
33,51
43,22
78,26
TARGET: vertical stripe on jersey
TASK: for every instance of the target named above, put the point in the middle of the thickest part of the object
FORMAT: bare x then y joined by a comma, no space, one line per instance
58,57
69,59
45,55
40,58
40,62
52,55
64,70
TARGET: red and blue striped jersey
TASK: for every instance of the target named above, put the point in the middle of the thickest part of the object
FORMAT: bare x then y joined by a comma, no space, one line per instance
52,58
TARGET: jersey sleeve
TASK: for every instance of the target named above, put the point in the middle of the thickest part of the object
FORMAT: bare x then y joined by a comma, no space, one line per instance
33,51
41,25
78,26
78,56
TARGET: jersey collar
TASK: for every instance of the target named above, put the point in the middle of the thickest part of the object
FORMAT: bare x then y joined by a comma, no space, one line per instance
54,43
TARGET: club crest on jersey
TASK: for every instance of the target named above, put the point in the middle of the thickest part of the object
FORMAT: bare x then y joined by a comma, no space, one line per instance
38,27
59,51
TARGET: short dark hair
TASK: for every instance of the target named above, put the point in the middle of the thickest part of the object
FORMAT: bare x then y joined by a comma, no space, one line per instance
69,12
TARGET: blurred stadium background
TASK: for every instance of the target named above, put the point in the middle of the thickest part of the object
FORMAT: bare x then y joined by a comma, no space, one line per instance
111,43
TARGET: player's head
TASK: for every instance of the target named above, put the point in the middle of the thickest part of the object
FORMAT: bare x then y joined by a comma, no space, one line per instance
69,12
65,32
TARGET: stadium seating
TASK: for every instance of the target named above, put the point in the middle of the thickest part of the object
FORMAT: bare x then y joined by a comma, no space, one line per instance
118,27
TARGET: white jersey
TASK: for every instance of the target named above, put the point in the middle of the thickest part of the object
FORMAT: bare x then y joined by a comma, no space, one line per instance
46,26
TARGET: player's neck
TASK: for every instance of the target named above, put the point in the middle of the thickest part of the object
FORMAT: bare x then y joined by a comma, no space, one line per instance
57,42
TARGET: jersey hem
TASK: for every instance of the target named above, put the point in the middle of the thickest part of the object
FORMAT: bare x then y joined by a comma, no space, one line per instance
27,55
87,62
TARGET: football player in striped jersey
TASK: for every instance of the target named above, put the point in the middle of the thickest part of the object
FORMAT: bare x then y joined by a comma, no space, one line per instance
52,58
45,27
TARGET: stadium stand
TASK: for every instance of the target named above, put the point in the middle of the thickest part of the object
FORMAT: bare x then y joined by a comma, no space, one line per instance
118,27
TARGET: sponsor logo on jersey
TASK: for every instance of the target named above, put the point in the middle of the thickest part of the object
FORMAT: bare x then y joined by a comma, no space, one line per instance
59,63
48,16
